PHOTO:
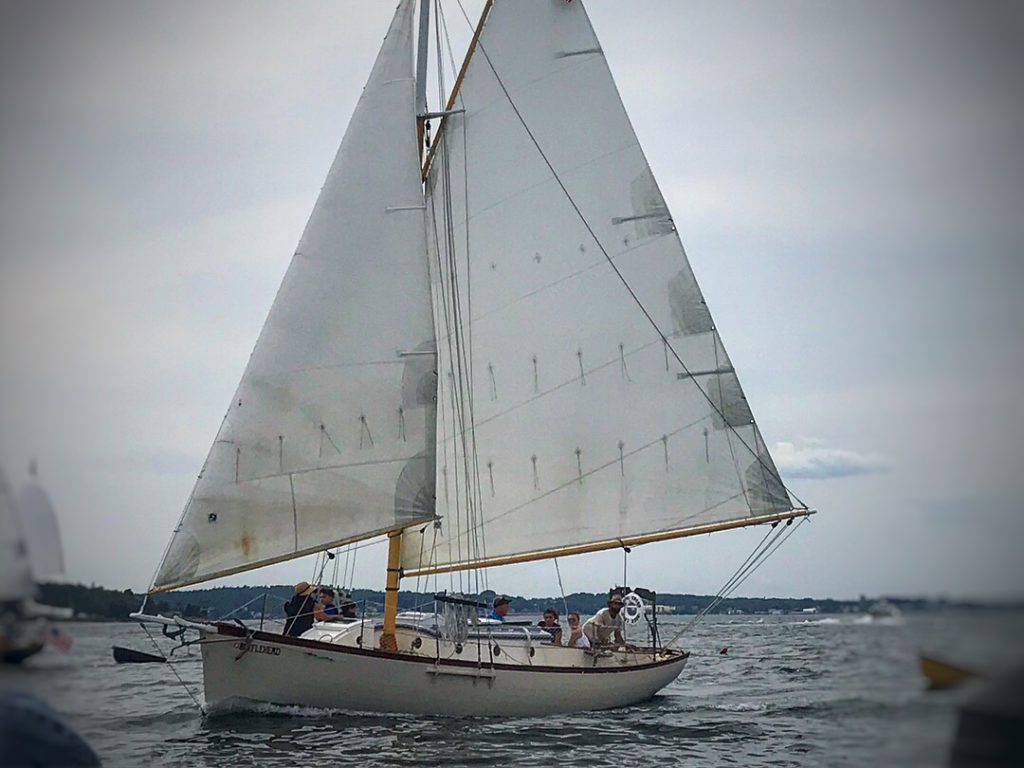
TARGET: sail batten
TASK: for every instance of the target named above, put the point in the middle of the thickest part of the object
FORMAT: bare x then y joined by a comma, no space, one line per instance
330,436
604,405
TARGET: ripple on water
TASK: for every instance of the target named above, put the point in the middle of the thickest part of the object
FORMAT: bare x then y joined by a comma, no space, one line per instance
786,694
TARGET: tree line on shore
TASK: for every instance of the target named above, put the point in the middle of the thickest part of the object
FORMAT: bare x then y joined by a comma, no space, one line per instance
252,602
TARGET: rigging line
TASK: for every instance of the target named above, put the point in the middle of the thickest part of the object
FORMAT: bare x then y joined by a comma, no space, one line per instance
469,308
446,278
762,558
451,53
188,690
462,359
749,558
458,380
474,496
558,573
774,532
348,558
450,340
611,262
352,579
768,551
316,564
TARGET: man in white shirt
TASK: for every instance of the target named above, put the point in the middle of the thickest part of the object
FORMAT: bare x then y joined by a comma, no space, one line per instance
607,624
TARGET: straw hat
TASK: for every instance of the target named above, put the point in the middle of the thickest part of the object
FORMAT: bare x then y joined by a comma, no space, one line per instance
303,588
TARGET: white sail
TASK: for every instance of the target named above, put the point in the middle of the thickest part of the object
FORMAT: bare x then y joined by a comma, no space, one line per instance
15,573
329,437
587,427
42,532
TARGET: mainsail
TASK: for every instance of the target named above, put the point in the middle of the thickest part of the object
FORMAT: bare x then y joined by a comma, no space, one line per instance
330,435
566,415
15,573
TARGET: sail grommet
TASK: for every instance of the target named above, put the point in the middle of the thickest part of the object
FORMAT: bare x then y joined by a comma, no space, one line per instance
458,647
416,643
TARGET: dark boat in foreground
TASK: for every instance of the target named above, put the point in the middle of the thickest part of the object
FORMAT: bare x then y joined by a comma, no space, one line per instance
130,656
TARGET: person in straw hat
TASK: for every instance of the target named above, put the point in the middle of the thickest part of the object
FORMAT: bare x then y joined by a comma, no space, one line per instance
300,610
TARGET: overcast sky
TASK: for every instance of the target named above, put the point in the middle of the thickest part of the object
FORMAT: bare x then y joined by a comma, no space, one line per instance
847,178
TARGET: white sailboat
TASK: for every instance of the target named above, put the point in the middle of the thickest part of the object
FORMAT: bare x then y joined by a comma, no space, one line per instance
30,552
491,349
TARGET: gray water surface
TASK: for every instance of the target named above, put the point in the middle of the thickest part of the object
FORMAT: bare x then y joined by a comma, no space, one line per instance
791,691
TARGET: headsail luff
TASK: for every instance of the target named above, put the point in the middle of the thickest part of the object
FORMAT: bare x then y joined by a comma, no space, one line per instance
330,436
587,429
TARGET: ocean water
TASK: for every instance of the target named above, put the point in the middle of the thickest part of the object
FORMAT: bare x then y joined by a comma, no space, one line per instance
791,691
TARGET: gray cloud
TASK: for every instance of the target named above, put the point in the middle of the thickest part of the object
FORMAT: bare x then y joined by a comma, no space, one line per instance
812,460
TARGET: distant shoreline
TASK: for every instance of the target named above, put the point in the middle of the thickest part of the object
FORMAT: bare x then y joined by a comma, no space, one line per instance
95,603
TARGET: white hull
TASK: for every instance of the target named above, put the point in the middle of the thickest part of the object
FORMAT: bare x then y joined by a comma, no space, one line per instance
340,675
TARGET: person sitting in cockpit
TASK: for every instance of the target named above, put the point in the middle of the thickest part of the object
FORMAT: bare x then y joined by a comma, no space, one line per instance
550,625
326,610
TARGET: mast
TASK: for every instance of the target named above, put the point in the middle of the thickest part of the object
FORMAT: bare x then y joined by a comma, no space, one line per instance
387,637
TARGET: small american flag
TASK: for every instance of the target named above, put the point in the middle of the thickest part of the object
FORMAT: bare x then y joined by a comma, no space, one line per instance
59,639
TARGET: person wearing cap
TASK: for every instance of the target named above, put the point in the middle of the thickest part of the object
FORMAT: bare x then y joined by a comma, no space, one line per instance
300,610
500,608
607,624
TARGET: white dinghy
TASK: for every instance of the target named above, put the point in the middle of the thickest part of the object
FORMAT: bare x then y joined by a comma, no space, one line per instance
491,349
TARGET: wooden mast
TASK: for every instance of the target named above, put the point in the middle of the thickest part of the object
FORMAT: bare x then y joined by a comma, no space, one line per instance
387,637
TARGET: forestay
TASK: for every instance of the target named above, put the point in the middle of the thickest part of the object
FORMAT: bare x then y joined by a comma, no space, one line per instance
329,437
587,428
15,575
